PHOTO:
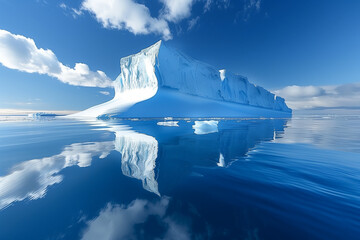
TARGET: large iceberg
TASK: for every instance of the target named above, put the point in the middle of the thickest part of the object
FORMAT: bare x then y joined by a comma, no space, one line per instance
160,82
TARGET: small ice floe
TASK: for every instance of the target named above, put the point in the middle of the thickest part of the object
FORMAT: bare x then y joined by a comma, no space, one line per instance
169,123
168,118
205,127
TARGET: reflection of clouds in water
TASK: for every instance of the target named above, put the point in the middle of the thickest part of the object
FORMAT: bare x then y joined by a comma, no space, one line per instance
138,157
123,222
138,151
324,131
30,179
205,127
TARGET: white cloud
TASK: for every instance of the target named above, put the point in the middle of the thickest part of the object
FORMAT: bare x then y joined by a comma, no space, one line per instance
136,18
193,22
21,53
74,12
311,97
127,14
221,4
176,10
63,6
252,4
301,91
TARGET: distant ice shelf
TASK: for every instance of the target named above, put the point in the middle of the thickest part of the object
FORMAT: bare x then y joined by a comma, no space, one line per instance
41,115
161,82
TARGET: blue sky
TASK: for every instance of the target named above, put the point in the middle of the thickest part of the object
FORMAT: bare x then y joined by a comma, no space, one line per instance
314,45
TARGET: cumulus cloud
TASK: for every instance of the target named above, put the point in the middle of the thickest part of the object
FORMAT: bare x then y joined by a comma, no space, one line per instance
312,97
176,10
21,53
127,14
136,18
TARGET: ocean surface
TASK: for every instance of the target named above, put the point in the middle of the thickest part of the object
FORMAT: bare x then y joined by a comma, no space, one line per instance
247,179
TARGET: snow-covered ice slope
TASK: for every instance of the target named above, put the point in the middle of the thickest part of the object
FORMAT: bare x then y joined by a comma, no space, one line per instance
161,82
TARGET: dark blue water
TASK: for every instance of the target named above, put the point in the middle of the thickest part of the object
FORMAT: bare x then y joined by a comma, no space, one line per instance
120,179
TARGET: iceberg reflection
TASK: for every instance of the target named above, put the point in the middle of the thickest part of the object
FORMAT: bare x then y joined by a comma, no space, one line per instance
138,157
160,157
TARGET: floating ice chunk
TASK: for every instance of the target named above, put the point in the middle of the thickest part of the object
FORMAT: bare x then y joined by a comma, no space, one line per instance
205,127
169,123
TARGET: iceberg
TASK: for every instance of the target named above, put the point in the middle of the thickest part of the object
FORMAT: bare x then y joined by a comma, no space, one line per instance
205,127
169,123
161,82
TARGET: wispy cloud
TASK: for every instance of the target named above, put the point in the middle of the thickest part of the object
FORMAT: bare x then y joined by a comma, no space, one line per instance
21,53
250,7
252,4
193,22
320,97
220,4
73,11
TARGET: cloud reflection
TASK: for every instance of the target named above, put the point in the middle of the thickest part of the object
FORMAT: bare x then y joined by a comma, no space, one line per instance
31,179
124,221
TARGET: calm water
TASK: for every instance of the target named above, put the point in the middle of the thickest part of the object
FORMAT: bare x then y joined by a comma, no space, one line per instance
248,179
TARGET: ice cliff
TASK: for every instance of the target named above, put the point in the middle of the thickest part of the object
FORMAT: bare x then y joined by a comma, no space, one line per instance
160,82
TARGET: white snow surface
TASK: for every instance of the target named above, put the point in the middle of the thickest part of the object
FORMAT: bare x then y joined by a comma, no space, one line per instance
158,68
